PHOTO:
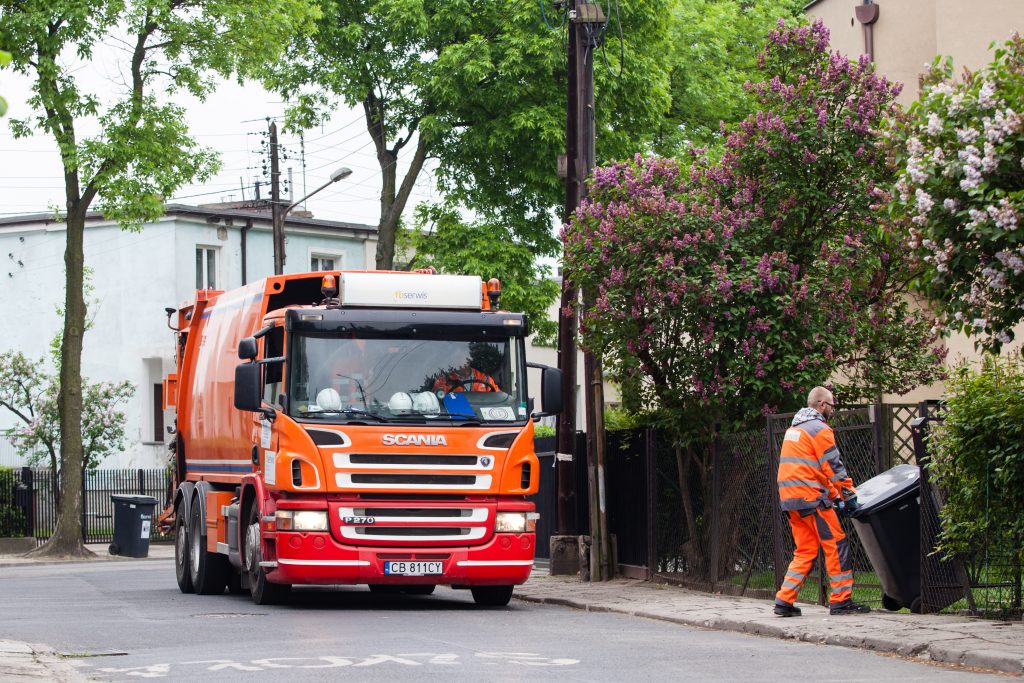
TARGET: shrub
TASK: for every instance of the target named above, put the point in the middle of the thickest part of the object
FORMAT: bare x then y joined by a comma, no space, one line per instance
979,455
12,517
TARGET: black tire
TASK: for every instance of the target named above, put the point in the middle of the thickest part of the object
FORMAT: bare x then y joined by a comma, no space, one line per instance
890,603
915,605
207,570
113,549
491,596
181,556
262,591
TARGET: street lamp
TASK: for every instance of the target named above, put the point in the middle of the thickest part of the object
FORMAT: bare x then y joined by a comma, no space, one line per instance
279,215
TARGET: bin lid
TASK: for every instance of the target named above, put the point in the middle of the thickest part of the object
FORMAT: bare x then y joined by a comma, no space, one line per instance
887,486
133,500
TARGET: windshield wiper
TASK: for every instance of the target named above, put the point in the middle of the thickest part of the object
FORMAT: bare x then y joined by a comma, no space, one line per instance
344,411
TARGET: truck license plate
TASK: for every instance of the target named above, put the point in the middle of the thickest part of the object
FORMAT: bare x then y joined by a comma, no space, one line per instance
413,568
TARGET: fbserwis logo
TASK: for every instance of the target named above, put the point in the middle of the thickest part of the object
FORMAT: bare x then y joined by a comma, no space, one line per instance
406,296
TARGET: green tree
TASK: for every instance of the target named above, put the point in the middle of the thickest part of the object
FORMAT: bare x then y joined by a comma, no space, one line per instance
478,85
713,54
489,249
5,58
143,151
29,392
962,193
726,288
978,457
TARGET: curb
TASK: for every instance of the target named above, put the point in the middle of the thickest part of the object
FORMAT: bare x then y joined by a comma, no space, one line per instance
945,652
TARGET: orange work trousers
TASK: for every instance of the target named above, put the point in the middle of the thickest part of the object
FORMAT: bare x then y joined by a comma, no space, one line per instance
813,529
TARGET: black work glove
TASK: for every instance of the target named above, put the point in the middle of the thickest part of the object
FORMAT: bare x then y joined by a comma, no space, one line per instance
850,506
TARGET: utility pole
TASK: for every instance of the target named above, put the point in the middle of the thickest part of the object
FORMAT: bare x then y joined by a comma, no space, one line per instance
275,203
586,24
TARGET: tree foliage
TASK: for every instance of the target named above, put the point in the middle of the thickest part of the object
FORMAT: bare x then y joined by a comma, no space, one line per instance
962,190
978,456
480,86
5,58
713,54
489,249
29,392
142,151
728,288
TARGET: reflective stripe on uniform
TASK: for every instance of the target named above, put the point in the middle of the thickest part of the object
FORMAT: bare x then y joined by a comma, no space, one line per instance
845,576
795,460
791,483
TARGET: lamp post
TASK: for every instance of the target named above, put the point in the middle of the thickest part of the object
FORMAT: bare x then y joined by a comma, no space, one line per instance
280,214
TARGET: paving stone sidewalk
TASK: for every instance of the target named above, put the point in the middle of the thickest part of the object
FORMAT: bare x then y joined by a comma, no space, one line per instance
949,639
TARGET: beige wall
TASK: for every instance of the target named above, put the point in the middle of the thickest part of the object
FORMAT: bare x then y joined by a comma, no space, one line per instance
909,33
907,36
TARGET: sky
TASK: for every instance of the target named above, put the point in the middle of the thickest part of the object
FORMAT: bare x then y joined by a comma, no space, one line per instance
232,122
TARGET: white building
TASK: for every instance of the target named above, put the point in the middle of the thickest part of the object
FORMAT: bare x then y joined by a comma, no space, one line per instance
134,277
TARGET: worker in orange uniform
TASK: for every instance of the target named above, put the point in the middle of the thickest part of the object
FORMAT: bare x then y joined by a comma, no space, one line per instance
813,482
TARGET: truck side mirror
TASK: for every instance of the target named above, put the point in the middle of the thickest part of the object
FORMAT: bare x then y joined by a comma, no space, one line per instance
551,391
247,348
248,378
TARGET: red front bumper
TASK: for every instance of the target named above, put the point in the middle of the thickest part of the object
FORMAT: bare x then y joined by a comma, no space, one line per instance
316,558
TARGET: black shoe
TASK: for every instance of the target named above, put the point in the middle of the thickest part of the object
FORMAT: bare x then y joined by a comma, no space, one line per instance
787,610
849,607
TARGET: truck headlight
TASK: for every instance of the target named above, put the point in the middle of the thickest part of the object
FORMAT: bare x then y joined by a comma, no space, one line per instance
515,522
301,520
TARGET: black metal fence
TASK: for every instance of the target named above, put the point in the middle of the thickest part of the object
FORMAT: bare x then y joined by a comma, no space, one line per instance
36,508
709,519
15,504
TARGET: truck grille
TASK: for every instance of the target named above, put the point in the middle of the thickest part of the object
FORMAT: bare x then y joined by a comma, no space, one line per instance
435,482
415,524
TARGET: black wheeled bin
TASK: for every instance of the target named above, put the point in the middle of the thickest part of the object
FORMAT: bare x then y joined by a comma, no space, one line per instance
889,527
133,519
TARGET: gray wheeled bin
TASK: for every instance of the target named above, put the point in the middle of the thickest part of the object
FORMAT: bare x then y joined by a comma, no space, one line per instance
889,527
133,519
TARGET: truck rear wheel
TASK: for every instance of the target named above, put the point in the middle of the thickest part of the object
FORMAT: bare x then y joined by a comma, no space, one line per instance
491,596
208,571
181,558
263,592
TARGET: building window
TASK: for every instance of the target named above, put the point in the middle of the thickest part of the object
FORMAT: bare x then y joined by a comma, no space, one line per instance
324,262
206,268
158,412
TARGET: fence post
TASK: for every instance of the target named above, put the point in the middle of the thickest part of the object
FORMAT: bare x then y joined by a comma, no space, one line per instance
778,549
85,504
716,507
142,482
652,504
876,412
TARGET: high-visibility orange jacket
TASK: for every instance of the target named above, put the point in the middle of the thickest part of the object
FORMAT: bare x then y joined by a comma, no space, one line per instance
811,474
465,379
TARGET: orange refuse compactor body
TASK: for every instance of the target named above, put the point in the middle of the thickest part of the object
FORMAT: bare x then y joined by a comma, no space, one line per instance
324,436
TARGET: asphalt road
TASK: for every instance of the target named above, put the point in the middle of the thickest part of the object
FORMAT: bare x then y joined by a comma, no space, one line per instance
127,621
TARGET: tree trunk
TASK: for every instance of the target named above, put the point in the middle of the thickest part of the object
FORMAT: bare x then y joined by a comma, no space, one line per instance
67,537
54,470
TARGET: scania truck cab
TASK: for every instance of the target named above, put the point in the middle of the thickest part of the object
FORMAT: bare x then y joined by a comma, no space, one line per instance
380,434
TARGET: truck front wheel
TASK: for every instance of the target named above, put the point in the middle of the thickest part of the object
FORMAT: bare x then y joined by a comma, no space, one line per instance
491,596
182,562
263,592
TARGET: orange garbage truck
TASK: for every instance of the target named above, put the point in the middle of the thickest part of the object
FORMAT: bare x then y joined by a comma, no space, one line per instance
360,427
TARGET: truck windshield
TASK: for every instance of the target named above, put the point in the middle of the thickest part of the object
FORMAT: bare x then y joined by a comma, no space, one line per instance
333,379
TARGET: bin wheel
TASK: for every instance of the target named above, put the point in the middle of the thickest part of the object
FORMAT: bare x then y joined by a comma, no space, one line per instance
181,558
491,596
113,549
207,570
235,583
262,591
915,605
890,603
